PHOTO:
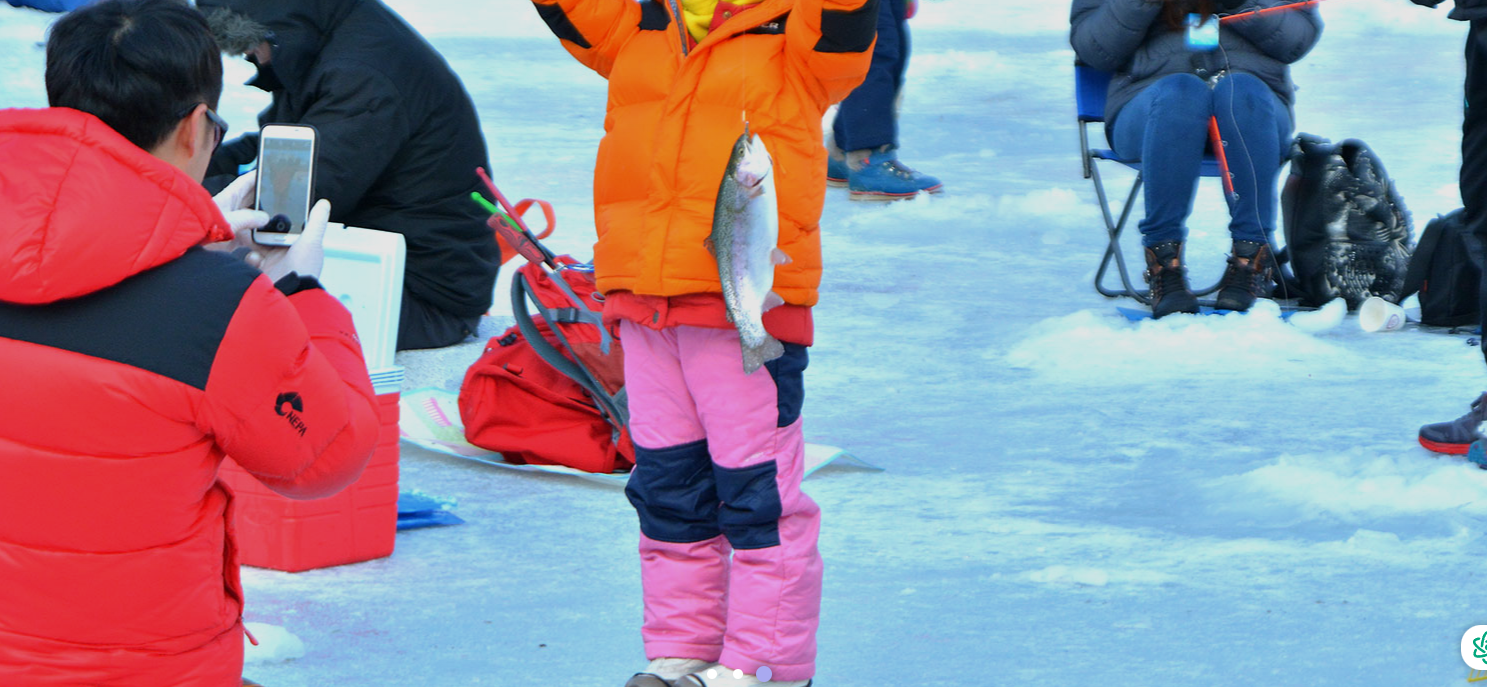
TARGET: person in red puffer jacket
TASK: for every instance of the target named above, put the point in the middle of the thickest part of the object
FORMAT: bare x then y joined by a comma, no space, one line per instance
136,360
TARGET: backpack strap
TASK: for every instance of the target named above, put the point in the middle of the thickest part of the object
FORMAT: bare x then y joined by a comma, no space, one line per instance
1419,265
612,407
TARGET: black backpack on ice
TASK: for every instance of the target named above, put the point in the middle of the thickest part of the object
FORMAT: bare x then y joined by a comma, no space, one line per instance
1347,230
1446,270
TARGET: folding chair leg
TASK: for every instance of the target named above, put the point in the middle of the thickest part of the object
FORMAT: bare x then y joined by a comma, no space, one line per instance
1113,228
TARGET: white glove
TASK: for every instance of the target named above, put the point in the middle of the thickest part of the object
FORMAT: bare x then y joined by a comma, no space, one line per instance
236,203
305,258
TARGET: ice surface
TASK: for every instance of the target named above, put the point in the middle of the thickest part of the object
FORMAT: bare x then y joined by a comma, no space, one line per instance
1071,498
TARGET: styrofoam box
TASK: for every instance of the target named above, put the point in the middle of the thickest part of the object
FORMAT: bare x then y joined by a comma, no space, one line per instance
357,524
364,270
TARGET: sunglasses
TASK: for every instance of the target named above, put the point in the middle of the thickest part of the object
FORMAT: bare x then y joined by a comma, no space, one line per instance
217,121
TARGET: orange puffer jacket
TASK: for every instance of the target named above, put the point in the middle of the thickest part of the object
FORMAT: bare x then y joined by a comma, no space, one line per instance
675,109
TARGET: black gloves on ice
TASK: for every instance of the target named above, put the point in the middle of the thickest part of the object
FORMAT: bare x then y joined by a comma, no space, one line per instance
1426,3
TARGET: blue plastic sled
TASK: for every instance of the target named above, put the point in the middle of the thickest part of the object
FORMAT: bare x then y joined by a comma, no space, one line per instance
417,510
1138,314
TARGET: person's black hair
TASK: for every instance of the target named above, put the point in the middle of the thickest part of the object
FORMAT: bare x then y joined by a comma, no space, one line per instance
138,65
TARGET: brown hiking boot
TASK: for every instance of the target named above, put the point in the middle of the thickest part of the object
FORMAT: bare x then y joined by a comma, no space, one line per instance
1247,277
1168,280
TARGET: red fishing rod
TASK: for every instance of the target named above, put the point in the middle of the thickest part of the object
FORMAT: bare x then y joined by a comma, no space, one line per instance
1213,122
1278,8
1223,159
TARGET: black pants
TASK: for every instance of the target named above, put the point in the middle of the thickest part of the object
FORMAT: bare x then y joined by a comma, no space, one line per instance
1474,145
424,326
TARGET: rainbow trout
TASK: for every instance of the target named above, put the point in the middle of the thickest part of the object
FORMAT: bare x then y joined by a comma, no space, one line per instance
744,239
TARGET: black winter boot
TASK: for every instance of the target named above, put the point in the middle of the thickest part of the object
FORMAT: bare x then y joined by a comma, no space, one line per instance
1168,280
1247,277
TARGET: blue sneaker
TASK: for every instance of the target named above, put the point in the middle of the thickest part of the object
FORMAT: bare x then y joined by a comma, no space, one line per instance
1477,455
836,171
883,177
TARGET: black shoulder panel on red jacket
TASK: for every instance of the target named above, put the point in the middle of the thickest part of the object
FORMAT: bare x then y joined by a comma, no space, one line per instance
168,320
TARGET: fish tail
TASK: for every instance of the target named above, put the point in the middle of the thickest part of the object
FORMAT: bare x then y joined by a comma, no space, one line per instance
754,357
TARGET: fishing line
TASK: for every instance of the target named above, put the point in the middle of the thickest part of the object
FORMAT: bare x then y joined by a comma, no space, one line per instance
1239,133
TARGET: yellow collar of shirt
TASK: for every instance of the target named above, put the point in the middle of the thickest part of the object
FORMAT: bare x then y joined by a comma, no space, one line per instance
698,14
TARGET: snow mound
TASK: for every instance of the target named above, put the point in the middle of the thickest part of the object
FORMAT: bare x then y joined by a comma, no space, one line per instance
1358,486
275,644
1096,348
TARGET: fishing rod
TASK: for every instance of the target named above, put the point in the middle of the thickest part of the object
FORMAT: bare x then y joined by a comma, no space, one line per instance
1278,8
1213,124
1223,159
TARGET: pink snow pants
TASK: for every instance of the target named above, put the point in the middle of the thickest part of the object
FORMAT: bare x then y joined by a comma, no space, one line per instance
719,456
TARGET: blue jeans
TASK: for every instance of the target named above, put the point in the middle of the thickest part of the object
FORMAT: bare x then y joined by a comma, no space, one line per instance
1166,128
866,118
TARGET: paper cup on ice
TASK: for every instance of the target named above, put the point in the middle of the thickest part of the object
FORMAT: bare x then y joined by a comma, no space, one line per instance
1379,315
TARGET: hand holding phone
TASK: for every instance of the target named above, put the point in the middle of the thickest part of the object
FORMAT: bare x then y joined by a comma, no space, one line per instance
286,182
306,257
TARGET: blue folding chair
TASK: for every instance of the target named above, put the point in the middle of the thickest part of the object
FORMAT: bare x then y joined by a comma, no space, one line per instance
1090,88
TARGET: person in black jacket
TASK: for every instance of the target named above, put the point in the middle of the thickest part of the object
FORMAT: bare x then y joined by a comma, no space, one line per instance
399,142
1457,435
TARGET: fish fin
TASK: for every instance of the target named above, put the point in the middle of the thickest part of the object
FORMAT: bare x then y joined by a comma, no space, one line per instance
711,247
779,257
754,357
773,300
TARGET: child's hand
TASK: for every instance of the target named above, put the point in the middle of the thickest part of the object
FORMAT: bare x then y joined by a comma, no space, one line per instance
911,8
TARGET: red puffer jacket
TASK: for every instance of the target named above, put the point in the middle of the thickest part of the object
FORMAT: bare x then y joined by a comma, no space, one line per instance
133,360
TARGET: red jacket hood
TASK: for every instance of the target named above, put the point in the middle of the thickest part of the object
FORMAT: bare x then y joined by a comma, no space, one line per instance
82,208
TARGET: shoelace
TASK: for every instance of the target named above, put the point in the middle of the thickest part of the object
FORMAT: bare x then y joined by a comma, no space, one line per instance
1244,276
899,168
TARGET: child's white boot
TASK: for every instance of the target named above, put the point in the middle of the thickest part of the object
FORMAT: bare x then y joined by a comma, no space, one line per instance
664,672
722,676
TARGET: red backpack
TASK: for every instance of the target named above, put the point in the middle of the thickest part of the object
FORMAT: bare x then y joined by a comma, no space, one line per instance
551,395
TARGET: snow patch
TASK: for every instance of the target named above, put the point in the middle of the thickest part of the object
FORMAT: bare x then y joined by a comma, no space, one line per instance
1095,348
1358,486
275,644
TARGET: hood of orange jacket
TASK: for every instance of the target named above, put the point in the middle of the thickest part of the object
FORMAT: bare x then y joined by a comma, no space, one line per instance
675,110
63,230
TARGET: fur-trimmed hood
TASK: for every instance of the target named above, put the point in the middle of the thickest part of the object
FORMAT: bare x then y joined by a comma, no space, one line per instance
299,29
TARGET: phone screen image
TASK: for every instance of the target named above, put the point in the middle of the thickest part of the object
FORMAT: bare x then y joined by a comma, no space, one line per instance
284,180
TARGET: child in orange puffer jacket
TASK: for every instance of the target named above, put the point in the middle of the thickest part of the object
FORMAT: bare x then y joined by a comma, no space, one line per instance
729,564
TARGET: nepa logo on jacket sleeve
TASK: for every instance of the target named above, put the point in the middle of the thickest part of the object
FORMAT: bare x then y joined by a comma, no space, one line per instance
289,405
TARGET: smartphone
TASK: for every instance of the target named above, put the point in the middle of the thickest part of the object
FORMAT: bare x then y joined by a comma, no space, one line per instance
286,182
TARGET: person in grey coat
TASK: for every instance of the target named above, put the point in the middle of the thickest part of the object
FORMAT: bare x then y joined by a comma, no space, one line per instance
1174,66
